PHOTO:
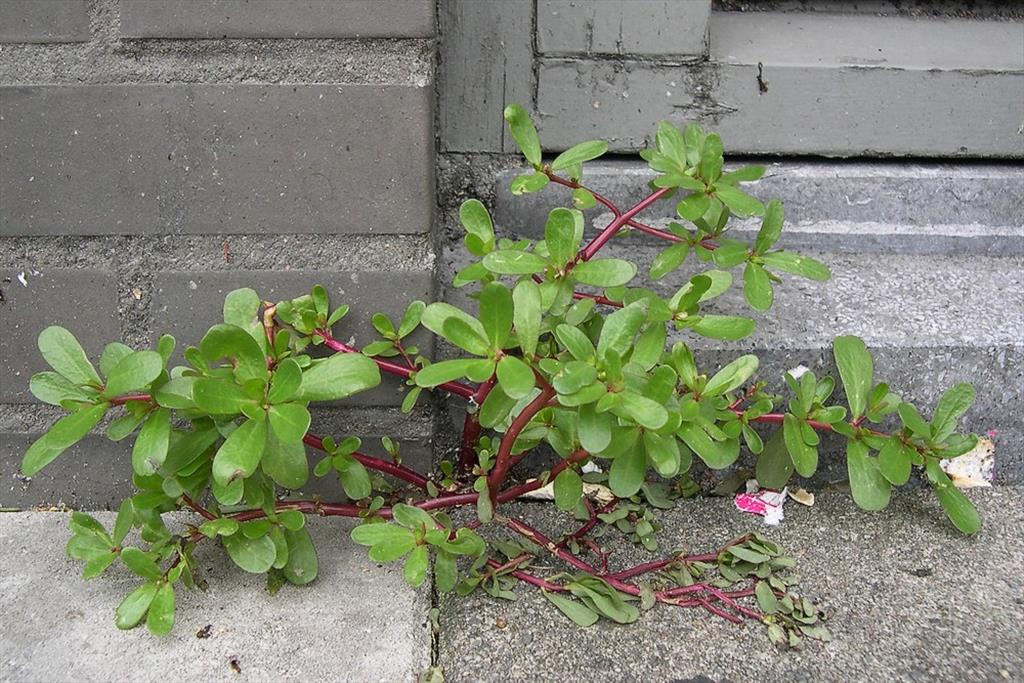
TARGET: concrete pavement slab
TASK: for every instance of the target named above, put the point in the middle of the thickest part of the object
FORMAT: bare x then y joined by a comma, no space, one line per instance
911,600
356,622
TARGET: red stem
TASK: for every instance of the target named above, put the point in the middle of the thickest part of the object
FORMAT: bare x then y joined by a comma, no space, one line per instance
502,460
385,466
609,232
457,388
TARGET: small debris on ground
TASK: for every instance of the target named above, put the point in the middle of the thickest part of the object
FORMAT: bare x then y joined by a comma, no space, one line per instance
501,622
922,572
233,662
764,502
205,632
802,496
974,468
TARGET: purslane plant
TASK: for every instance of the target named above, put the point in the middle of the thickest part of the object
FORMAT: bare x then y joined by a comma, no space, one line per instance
564,351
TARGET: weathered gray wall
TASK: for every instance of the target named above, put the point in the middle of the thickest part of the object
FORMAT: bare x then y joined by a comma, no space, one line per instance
927,254
155,155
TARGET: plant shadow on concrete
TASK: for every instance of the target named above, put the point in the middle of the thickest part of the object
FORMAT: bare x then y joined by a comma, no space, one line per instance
564,352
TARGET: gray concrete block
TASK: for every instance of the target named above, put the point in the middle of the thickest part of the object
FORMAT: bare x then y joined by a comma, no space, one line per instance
186,304
929,321
357,622
927,208
815,109
274,19
899,586
44,21
485,59
641,27
94,474
83,301
237,158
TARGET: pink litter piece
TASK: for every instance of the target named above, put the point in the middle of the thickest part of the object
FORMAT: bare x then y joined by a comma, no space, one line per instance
764,503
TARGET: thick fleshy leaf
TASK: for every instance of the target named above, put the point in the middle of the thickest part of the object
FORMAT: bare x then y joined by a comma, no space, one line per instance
134,607
338,376
726,327
285,462
732,376
856,369
302,566
620,328
958,508
627,472
757,287
66,432
870,489
715,454
606,272
562,234
774,465
496,313
797,264
237,345
527,315
805,457
150,449
523,132
514,262
113,353
668,260
65,355
642,410
448,370
240,454
160,618
355,480
254,555
568,488
285,382
894,462
738,201
51,387
954,402
437,314
578,153
415,570
141,564
446,573
663,452
220,396
594,428
290,421
771,227
515,376
579,613
576,342
477,222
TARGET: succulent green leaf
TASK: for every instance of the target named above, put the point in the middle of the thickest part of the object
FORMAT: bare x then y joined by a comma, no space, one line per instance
285,382
515,377
285,461
726,327
771,227
958,508
805,457
448,370
53,388
732,376
579,613
237,345
65,433
627,472
870,489
254,555
514,262
523,132
620,328
797,264
65,355
290,421
568,487
757,287
302,565
496,314
856,369
606,272
577,154
134,607
338,376
527,315
954,402
738,201
240,454
150,448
